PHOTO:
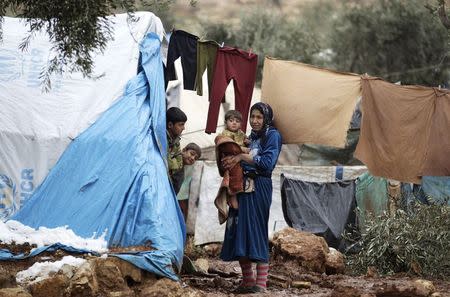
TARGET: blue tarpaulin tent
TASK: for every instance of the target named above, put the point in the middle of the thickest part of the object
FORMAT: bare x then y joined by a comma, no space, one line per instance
113,177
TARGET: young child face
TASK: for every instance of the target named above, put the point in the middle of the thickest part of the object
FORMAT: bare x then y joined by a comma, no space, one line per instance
175,129
189,157
233,124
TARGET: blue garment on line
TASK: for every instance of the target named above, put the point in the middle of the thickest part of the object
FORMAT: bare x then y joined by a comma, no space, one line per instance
247,232
433,190
437,189
113,177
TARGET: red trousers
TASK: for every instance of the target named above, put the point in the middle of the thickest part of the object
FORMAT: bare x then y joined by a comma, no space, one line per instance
239,65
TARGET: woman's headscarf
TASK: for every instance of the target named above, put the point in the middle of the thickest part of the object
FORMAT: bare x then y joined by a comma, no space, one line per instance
267,112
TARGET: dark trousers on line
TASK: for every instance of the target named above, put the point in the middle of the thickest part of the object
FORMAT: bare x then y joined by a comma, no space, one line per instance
184,45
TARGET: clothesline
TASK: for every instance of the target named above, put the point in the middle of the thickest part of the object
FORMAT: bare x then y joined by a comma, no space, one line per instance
404,129
289,87
223,63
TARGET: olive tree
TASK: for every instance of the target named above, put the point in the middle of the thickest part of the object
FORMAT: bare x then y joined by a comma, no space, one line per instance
77,29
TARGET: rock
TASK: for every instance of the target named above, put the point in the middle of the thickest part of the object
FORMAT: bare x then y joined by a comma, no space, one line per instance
169,288
281,278
54,286
7,280
108,275
301,285
275,280
213,249
84,282
202,265
14,292
440,294
128,270
68,270
226,269
406,288
277,283
163,287
128,293
334,262
310,251
424,287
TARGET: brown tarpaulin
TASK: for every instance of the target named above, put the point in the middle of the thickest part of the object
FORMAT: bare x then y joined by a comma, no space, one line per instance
310,104
404,130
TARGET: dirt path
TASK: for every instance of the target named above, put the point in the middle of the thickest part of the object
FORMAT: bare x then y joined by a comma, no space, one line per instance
321,285
218,278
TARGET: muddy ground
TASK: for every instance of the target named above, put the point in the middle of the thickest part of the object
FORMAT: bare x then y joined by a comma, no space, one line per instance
283,275
217,278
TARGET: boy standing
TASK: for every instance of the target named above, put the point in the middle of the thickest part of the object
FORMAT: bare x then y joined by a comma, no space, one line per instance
177,158
175,120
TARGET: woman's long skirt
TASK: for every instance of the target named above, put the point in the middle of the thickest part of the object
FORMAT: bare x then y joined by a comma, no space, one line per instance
246,233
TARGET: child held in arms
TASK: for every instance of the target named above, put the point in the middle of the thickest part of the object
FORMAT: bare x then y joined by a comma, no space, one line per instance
231,141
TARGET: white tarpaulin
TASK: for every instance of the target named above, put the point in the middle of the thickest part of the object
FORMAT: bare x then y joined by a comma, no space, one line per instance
36,127
207,227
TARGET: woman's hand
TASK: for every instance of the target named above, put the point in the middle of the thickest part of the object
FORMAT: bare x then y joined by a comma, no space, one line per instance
229,162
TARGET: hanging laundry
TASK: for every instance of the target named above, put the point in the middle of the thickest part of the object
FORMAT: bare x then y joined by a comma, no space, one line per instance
437,189
371,196
404,130
312,105
183,44
239,65
320,208
437,160
411,195
320,155
206,59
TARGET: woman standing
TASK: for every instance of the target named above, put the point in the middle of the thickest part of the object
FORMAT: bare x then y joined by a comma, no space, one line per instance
246,234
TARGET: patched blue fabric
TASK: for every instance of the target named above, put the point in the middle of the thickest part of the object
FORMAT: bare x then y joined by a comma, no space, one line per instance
113,177
6,255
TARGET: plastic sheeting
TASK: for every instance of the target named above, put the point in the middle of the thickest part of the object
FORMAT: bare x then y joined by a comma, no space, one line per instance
36,127
320,208
113,177
207,227
6,255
